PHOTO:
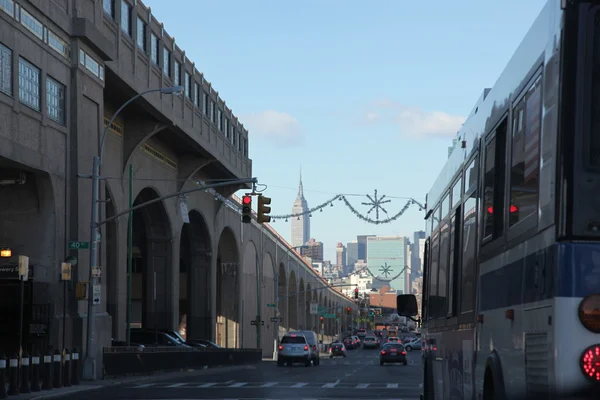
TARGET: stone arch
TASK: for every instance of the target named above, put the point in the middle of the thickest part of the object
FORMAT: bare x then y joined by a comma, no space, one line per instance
195,289
282,290
228,290
152,306
301,314
292,302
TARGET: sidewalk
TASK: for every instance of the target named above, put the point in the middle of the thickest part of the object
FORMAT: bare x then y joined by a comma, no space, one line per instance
86,386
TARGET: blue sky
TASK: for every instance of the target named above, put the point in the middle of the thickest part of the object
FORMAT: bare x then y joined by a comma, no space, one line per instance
361,95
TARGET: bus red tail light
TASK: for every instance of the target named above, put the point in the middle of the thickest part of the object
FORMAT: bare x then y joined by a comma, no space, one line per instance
305,348
590,363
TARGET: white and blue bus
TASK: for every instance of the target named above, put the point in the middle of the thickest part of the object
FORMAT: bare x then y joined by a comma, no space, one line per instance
511,285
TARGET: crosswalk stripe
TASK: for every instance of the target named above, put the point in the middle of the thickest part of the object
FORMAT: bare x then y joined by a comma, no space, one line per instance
206,385
329,385
175,385
238,384
269,384
362,385
299,385
279,385
392,385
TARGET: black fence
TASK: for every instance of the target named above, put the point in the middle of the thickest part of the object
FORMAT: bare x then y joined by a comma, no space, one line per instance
122,361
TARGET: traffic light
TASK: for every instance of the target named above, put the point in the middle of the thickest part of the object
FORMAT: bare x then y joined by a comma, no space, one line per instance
247,209
348,310
321,319
356,293
263,209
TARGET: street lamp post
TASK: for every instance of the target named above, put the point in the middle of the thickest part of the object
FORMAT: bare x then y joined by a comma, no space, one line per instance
89,363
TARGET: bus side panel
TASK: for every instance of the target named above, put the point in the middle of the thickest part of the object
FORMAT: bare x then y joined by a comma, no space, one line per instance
455,361
515,290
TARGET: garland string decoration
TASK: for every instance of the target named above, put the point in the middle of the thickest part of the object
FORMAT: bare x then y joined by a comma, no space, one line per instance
375,202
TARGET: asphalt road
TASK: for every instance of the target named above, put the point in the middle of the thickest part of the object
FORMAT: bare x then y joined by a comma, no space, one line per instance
358,376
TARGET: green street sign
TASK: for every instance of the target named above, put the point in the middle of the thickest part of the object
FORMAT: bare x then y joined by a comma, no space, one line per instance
329,315
272,305
79,245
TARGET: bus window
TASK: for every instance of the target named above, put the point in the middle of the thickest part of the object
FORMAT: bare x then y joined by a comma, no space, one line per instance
468,257
433,275
443,270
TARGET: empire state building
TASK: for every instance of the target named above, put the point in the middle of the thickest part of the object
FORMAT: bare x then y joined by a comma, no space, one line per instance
301,224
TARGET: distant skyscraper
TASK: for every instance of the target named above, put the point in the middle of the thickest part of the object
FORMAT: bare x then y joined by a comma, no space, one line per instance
351,253
362,246
301,224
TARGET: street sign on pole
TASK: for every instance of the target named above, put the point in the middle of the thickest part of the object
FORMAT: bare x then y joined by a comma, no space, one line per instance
314,308
276,319
271,305
329,315
79,245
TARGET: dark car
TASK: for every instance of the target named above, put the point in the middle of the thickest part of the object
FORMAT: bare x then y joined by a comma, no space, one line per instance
393,353
337,349
349,343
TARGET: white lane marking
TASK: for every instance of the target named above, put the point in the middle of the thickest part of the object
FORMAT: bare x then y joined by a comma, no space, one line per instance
175,385
206,385
299,385
145,385
237,385
392,386
269,384
330,385
362,386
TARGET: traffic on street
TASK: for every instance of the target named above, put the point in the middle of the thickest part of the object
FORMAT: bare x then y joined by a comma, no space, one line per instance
359,375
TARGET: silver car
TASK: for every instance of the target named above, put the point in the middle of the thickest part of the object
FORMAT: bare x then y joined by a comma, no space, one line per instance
294,348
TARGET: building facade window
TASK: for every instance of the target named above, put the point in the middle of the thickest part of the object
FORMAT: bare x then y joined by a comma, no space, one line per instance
167,62
220,120
154,48
188,86
55,100
196,94
29,84
205,102
177,73
141,34
109,7
126,18
5,70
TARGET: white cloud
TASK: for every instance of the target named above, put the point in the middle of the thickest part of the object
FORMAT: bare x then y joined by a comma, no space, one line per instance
279,128
413,121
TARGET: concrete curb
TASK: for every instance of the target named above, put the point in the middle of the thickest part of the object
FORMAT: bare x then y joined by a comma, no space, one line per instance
87,387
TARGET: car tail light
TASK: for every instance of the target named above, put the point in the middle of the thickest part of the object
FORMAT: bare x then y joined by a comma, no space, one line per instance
590,363
305,347
343,348
280,347
382,352
403,353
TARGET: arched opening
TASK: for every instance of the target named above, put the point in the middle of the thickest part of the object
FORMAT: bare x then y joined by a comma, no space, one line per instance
151,289
293,302
116,279
195,292
301,305
227,291
28,227
308,322
283,300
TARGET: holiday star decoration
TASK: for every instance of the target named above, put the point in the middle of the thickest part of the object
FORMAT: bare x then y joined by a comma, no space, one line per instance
376,204
385,269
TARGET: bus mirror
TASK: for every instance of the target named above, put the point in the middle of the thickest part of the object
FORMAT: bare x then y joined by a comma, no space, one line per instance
407,305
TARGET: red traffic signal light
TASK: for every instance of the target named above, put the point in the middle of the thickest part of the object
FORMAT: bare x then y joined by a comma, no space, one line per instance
247,209
321,319
348,310
356,293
